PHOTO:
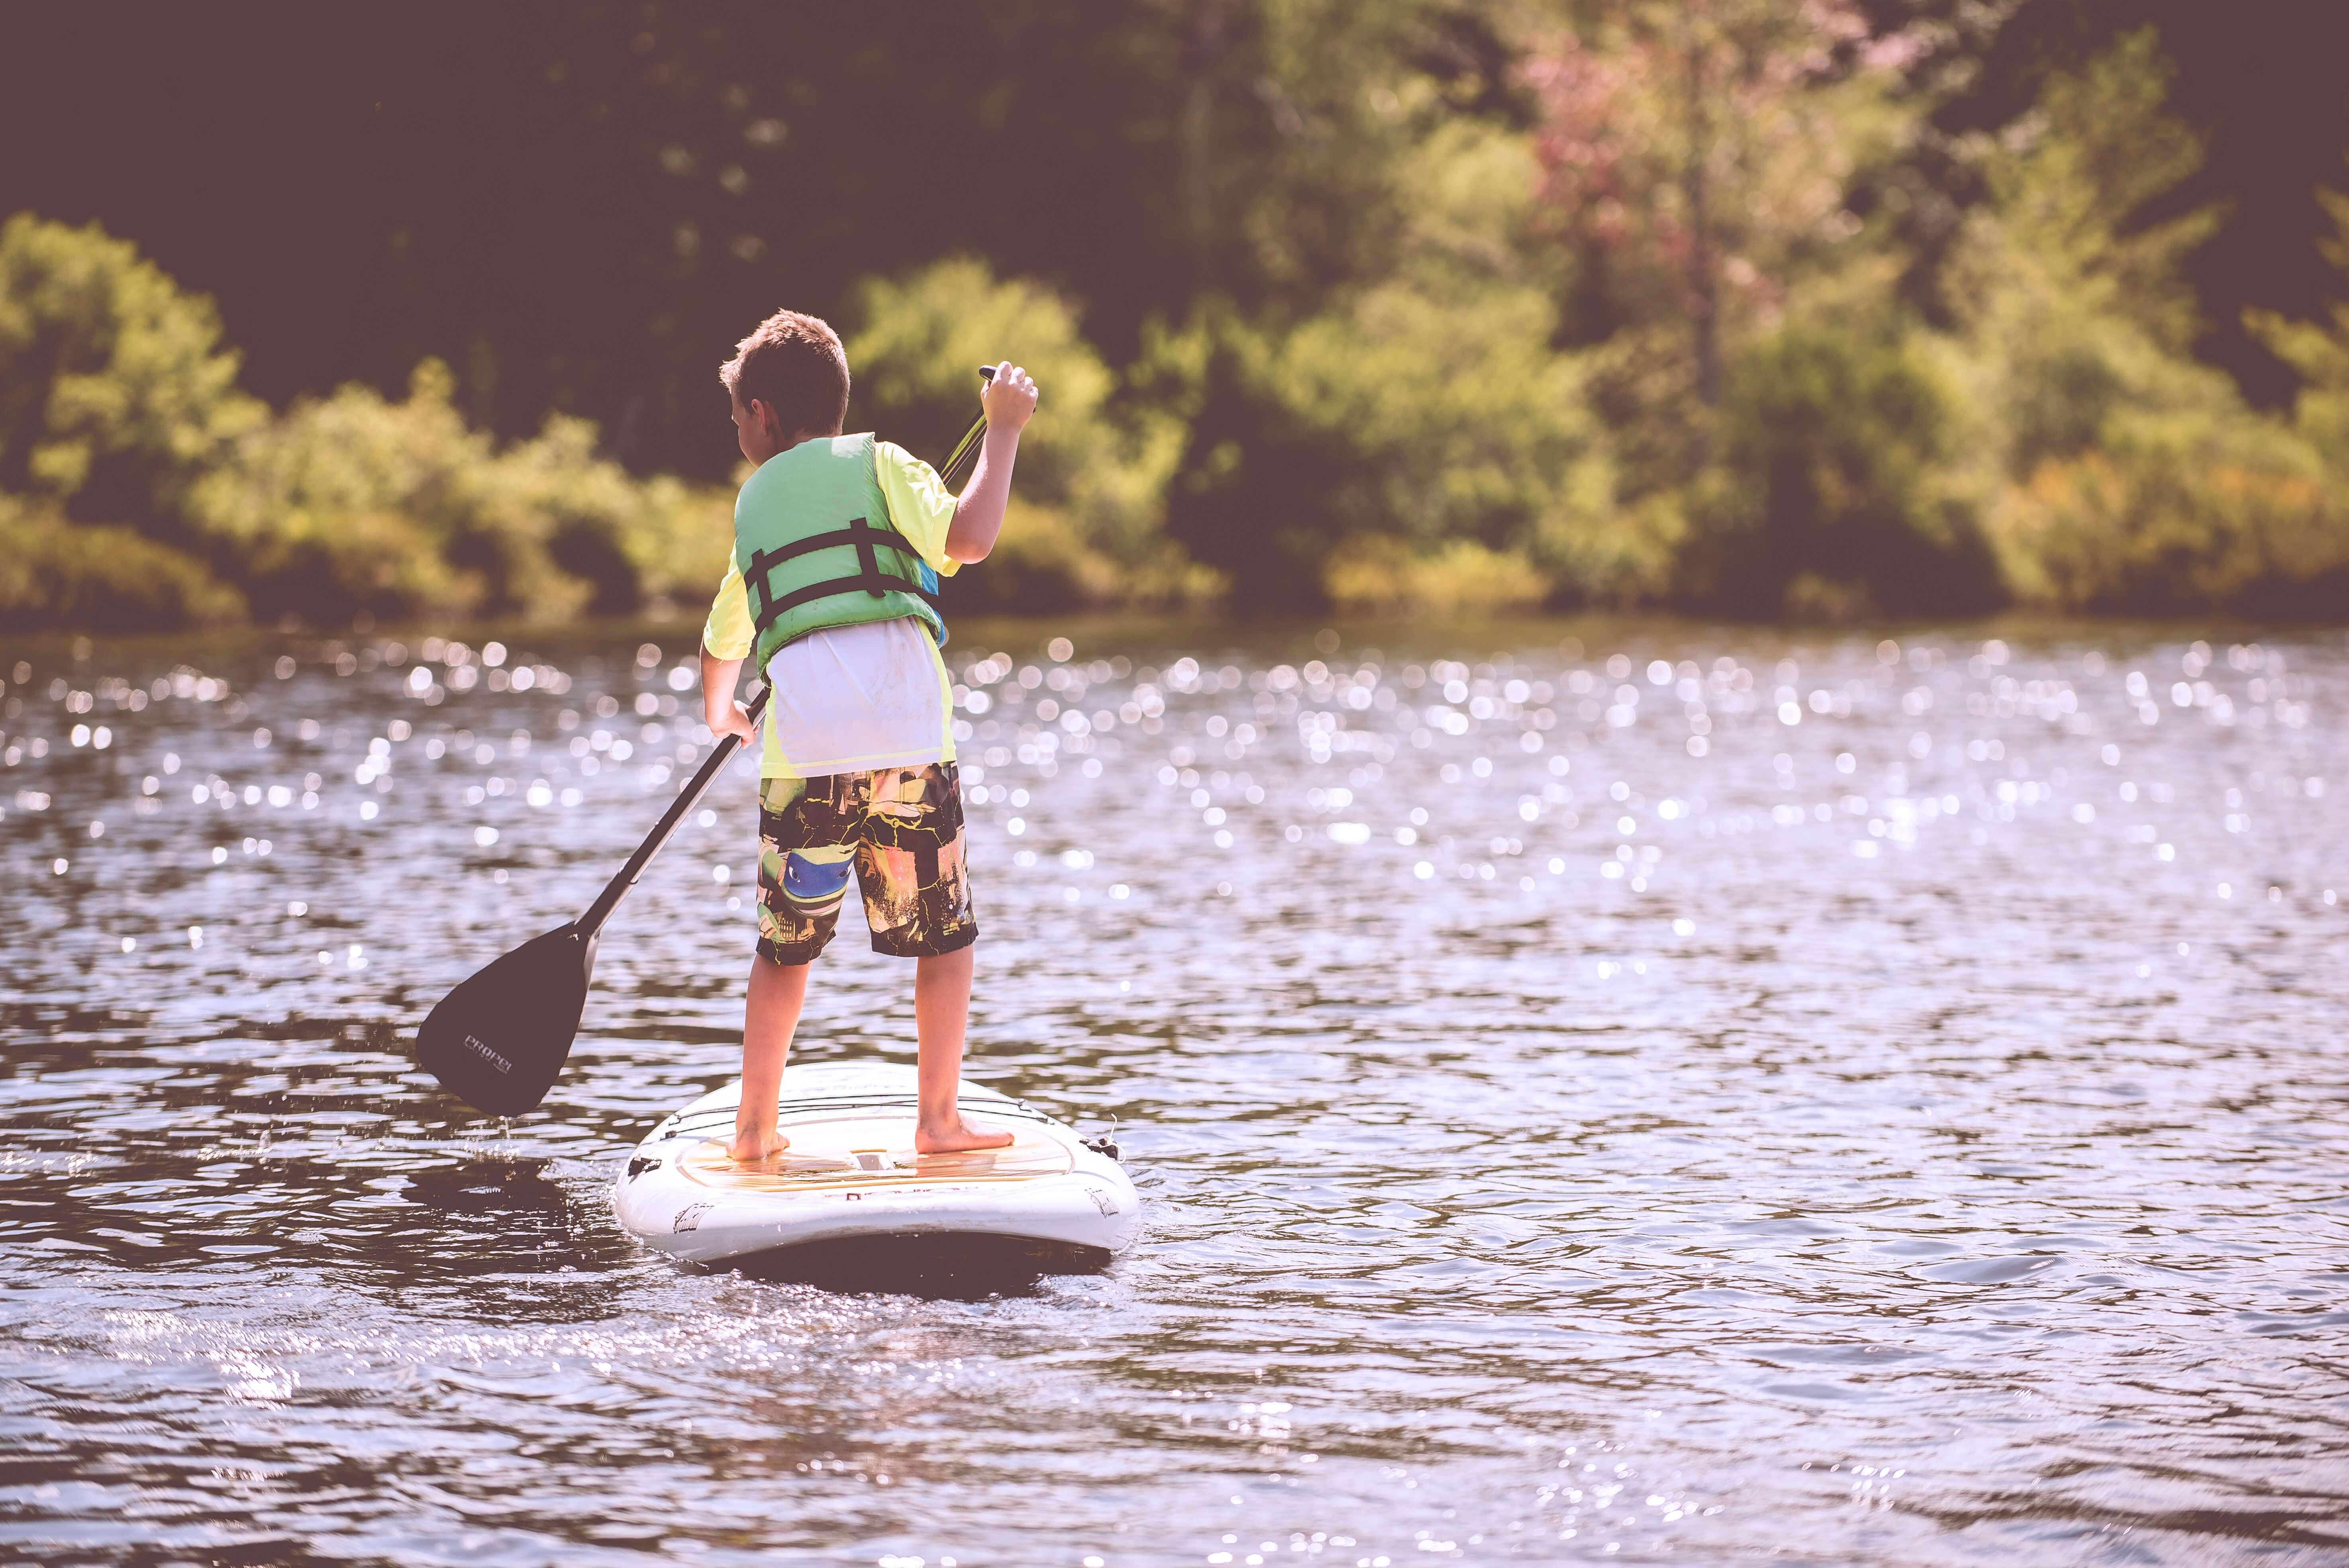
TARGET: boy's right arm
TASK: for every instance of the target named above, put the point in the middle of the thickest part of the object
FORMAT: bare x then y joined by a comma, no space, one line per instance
718,709
1008,400
725,640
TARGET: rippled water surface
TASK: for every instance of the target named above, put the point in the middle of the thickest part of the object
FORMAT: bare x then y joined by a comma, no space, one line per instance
1599,1091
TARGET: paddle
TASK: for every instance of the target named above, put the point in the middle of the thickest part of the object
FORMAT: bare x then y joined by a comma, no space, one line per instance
500,1039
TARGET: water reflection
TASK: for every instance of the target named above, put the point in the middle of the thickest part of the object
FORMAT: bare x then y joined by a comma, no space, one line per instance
1599,1089
935,1268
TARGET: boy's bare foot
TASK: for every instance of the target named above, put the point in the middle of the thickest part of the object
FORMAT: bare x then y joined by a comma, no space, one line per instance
957,1136
749,1151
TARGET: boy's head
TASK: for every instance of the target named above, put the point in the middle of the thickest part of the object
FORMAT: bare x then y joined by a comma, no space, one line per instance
789,381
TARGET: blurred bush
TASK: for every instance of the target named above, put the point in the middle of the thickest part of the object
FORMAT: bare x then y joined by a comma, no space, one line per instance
1832,501
2319,350
151,491
2120,474
627,543
355,505
115,396
57,574
1419,442
2183,529
1380,574
2167,495
342,507
1085,525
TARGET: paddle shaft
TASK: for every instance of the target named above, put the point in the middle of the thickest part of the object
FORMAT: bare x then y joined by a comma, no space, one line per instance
617,888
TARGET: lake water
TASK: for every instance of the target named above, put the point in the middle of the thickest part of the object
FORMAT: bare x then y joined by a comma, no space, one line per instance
1625,1092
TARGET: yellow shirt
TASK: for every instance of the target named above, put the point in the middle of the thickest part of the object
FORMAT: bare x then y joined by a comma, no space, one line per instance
856,697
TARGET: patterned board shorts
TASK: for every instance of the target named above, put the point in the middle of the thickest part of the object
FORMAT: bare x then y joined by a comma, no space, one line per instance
898,828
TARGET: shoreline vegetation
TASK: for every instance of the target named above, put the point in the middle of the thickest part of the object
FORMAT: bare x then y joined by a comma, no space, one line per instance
1554,385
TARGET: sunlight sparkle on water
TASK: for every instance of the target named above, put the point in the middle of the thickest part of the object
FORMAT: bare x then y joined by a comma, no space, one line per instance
1703,1038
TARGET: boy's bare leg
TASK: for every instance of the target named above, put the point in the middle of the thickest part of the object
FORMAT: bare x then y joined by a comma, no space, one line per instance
777,992
941,1012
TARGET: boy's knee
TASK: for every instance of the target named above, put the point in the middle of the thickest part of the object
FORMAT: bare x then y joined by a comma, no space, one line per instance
954,958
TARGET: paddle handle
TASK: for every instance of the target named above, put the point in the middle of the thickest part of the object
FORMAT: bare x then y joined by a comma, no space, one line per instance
589,923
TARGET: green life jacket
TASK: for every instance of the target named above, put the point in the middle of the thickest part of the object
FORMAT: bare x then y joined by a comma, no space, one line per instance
816,548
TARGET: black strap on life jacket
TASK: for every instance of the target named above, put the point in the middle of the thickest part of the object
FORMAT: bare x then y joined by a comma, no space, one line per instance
869,575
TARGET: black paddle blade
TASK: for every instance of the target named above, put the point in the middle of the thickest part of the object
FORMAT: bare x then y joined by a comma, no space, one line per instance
499,1040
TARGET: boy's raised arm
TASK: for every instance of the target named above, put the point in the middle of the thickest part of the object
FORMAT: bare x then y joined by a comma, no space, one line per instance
1008,400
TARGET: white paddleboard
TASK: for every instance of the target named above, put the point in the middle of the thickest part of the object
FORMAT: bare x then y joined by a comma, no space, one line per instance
852,1171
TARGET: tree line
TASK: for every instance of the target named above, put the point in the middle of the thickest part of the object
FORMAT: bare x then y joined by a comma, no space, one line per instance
1827,310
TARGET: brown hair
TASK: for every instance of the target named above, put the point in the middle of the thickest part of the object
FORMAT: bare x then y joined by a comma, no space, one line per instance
795,365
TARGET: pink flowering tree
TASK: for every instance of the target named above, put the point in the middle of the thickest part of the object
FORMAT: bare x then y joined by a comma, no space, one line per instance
1695,159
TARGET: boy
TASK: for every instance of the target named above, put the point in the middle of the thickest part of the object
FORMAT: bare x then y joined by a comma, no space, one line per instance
839,543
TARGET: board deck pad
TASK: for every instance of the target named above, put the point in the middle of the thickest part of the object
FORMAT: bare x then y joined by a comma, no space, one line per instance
866,1151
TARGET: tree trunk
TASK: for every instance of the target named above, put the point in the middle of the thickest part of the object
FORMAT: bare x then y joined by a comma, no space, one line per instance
1196,147
1705,296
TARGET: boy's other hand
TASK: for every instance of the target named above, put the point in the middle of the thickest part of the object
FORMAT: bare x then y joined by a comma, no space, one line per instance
720,711
733,719
1008,400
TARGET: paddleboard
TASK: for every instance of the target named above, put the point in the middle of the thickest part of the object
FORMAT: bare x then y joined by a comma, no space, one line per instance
852,1172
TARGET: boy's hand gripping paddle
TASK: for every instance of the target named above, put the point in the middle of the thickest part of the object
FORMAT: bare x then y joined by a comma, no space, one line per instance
499,1040
966,452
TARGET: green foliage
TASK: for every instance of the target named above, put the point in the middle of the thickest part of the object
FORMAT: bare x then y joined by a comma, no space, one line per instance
1425,411
55,573
353,504
2121,475
2319,350
120,423
1378,573
341,507
1087,503
115,396
2188,500
2071,185
2071,319
634,543
1698,159
2180,528
1397,304
1836,443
